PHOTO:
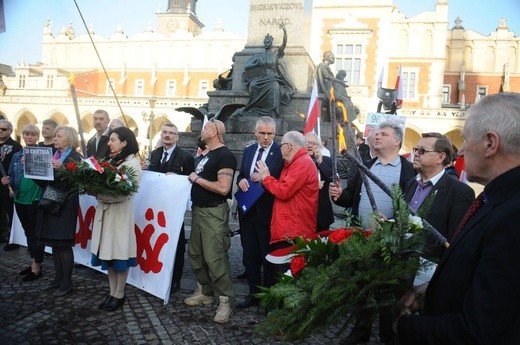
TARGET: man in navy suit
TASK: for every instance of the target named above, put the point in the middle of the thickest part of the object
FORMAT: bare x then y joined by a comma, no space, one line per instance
170,159
255,224
433,194
473,296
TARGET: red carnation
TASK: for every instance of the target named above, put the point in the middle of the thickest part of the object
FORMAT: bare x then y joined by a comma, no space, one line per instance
297,264
340,235
105,164
71,166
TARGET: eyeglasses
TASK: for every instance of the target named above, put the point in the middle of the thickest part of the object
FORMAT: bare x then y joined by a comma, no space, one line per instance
311,143
282,144
266,133
421,150
4,129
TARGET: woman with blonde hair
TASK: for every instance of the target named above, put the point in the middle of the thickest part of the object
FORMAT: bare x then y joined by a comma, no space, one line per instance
56,227
26,195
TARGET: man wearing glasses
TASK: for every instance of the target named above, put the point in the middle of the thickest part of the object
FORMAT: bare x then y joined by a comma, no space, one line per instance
209,240
171,159
8,147
255,224
296,198
391,169
324,167
440,199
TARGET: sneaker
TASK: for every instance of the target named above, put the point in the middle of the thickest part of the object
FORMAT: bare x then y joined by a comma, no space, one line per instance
198,297
224,310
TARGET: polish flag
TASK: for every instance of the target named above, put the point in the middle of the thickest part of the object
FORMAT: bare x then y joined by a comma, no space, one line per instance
399,88
199,150
381,76
460,166
94,164
314,110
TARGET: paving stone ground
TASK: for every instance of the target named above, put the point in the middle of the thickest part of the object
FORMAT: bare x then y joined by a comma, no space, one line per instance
28,315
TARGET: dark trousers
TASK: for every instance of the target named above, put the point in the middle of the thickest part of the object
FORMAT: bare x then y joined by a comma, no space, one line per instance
27,216
273,272
178,267
6,211
255,244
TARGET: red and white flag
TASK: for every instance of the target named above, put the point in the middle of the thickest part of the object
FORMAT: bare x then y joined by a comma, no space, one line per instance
399,88
199,150
94,164
313,113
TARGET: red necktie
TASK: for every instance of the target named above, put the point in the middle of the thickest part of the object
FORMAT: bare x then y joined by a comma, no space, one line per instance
165,157
473,208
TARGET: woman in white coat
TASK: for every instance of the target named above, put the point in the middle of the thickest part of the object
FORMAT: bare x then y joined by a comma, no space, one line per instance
114,245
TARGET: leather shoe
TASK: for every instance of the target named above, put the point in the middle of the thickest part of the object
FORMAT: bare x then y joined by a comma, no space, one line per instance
11,246
114,303
25,271
61,293
103,304
175,287
51,286
32,276
242,275
248,302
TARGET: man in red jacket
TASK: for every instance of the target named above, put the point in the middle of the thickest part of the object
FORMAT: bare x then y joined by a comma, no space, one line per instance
296,197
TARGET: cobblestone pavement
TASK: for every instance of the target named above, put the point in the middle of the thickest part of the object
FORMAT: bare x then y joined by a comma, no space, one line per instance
28,315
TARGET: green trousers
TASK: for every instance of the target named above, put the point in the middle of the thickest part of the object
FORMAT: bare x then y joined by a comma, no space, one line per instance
208,250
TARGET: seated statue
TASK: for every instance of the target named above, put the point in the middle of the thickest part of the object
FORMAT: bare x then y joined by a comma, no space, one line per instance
225,82
267,81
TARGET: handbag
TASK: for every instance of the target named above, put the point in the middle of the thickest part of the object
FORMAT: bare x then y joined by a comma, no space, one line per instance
52,200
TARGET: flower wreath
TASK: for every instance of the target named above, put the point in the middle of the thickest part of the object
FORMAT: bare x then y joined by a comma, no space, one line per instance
92,177
345,275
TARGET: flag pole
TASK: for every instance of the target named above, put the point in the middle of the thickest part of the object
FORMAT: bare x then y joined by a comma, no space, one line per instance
78,118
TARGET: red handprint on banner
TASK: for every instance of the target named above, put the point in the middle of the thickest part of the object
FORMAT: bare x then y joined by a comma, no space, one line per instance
150,261
85,226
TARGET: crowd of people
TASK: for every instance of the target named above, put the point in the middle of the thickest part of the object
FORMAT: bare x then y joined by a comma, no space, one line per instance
471,298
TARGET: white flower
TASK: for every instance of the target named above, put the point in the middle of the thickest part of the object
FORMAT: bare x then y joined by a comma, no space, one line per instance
415,221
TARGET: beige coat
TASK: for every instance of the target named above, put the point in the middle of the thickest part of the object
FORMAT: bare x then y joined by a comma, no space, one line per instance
113,235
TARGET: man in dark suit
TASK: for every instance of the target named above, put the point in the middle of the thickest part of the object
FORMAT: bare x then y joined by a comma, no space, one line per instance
391,169
437,197
255,224
97,146
171,159
324,166
473,296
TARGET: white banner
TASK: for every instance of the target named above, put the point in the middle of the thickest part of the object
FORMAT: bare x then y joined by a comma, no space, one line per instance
159,206
374,119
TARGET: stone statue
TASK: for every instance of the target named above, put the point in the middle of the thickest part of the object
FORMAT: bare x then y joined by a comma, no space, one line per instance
267,80
324,75
341,94
225,82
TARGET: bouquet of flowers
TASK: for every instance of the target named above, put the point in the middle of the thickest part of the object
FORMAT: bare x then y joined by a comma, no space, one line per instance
344,275
92,177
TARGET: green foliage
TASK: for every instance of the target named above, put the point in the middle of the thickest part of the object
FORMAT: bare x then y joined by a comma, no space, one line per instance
112,180
352,281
